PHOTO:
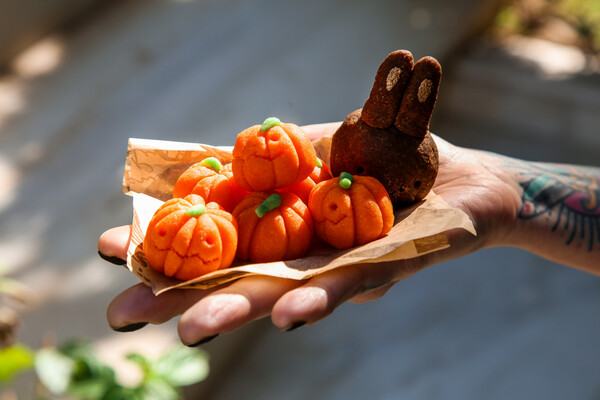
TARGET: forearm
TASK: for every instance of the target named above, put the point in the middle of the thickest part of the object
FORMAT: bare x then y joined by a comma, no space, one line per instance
559,213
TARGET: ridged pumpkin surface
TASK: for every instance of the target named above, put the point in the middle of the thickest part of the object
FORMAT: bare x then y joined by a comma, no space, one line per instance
183,243
283,233
214,186
347,217
278,157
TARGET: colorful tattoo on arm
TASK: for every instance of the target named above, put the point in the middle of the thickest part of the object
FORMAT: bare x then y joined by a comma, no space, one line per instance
571,194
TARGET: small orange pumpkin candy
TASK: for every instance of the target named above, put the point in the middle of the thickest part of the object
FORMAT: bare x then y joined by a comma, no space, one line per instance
350,210
187,238
273,227
302,189
271,156
211,180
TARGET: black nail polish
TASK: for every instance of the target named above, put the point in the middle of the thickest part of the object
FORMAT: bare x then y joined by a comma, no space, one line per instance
112,259
131,327
296,325
202,341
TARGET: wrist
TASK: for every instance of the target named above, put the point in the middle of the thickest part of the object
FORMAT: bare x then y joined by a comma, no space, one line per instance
489,193
551,210
509,228
559,213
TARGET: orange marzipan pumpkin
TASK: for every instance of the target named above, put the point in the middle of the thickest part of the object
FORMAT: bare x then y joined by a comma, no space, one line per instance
273,227
211,180
272,156
350,210
187,238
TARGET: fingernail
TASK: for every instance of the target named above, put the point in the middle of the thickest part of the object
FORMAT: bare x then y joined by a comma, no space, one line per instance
296,325
132,327
202,341
112,259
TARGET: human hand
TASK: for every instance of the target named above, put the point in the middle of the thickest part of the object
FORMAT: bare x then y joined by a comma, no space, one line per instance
469,180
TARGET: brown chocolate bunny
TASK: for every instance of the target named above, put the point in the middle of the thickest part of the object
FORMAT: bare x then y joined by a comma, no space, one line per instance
389,137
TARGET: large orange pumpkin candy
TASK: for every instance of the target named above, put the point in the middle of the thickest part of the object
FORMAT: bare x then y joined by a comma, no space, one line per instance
187,238
271,156
273,227
350,210
211,180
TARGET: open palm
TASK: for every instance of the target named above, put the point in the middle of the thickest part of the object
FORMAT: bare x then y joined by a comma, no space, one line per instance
467,179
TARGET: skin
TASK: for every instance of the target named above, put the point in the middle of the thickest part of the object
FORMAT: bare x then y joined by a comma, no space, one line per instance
511,202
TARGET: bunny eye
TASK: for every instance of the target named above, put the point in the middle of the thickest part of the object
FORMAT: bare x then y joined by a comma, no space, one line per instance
392,78
424,90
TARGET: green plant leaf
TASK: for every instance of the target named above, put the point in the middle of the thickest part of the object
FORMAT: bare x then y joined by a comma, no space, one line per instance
182,366
54,369
88,366
140,360
123,393
14,360
80,350
156,388
94,388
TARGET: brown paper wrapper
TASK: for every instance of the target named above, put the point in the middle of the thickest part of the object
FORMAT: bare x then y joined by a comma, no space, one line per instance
152,168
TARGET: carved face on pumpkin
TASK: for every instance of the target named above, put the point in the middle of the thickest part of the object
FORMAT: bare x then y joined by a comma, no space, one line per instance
350,210
187,238
271,156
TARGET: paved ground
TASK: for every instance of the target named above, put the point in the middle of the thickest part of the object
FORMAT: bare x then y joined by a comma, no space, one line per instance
497,324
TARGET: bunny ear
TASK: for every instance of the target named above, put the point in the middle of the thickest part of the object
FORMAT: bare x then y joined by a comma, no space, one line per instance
419,98
381,107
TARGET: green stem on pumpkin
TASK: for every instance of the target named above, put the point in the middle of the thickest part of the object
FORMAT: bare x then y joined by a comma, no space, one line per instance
196,210
319,163
345,180
212,163
269,123
270,203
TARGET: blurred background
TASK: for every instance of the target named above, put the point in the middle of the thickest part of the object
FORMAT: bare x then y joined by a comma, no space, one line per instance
78,78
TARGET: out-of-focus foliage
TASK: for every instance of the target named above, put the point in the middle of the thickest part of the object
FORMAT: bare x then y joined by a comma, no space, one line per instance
584,15
14,360
575,22
73,371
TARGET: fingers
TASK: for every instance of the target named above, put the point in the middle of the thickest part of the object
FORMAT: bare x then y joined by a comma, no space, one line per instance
419,98
207,313
204,313
381,107
291,303
113,243
316,299
320,296
138,306
230,308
